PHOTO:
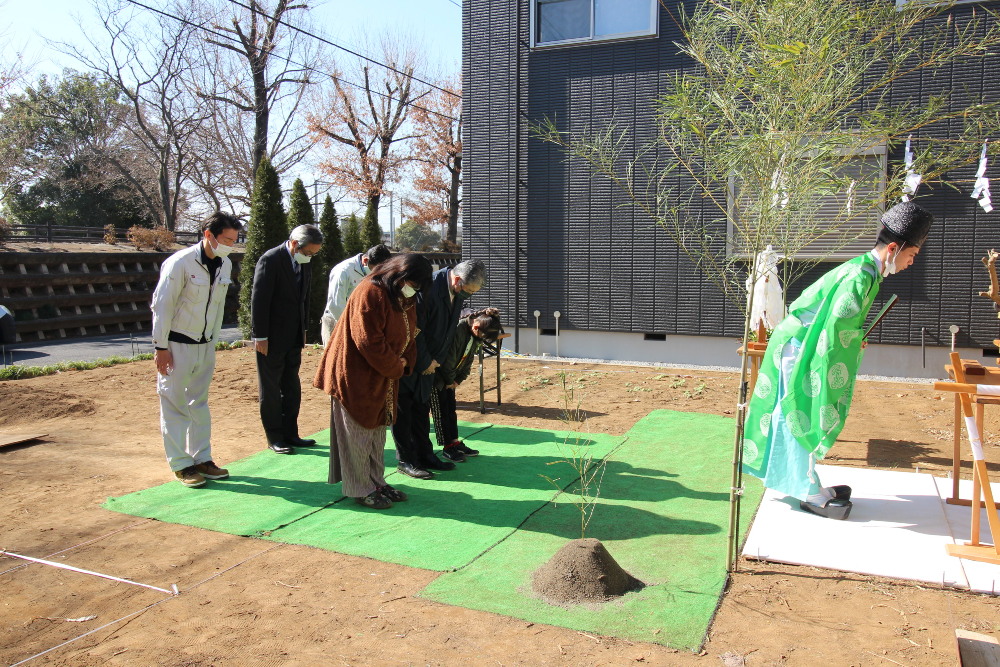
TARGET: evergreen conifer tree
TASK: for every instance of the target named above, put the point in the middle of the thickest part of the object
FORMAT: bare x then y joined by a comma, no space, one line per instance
331,254
267,229
333,251
300,211
353,244
371,233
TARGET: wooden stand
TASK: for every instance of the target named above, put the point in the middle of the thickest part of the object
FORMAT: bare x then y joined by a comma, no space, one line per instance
755,354
485,352
990,376
974,550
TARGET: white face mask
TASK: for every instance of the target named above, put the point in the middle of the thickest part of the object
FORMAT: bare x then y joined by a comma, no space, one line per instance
302,259
408,291
220,249
890,263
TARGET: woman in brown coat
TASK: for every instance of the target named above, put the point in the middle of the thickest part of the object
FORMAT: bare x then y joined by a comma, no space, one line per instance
371,347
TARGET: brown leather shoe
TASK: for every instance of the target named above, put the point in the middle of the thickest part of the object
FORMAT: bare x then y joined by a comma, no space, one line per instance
209,470
190,477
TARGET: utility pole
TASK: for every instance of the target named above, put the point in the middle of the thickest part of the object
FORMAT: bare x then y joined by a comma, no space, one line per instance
392,223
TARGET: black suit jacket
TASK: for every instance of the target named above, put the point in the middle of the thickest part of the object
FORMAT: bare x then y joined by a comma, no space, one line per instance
277,306
437,316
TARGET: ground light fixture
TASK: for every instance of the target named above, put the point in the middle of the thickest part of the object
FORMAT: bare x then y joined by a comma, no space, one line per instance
557,314
538,332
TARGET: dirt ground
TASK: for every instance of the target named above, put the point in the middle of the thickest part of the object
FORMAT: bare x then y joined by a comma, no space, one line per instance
245,601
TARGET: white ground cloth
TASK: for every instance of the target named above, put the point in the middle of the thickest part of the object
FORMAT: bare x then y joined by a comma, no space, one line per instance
899,527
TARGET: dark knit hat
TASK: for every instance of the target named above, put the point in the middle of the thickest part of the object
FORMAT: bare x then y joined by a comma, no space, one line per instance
908,221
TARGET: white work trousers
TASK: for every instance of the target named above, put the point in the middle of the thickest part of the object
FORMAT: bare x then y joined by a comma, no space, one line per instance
185,422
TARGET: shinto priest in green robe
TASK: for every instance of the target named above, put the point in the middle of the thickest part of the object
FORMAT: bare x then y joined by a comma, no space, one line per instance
803,391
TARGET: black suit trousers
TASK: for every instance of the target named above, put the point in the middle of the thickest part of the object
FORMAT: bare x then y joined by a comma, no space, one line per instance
280,393
412,430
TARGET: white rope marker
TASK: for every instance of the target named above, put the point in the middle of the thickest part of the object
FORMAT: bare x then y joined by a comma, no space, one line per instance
63,566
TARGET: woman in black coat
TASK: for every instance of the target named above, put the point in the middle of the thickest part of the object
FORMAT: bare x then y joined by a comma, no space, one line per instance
474,328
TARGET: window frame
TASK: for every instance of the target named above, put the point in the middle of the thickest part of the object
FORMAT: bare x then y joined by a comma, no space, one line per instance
595,39
851,250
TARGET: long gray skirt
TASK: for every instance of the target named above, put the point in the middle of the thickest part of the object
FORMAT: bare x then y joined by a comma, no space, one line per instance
356,453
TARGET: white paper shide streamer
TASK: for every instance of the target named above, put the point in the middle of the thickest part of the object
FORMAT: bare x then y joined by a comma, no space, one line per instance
977,444
912,180
981,190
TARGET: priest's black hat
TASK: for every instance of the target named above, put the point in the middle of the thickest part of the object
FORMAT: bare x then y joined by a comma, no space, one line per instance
909,222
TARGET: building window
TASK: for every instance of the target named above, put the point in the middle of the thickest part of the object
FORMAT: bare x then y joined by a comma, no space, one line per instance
573,21
870,168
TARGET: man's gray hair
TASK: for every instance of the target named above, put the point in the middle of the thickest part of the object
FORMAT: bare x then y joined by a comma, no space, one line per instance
471,272
306,235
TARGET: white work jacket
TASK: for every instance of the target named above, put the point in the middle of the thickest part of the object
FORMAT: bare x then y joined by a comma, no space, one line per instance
186,300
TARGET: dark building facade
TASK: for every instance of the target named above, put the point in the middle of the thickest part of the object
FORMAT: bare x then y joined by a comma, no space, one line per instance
555,238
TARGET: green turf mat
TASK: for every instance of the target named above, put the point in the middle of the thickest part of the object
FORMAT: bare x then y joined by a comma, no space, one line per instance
263,492
663,515
459,514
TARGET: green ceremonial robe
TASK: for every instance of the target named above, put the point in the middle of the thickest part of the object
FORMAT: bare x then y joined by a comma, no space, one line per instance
824,331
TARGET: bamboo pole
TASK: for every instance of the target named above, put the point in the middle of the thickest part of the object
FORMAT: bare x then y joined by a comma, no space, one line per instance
736,481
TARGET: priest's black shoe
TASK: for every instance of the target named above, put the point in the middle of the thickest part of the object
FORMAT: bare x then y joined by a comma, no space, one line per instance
841,492
281,448
434,463
831,509
413,471
301,442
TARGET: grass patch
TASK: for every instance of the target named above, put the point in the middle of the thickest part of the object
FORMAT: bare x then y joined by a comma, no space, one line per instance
25,372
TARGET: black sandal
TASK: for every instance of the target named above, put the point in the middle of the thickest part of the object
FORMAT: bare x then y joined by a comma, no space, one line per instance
841,492
390,493
375,500
835,508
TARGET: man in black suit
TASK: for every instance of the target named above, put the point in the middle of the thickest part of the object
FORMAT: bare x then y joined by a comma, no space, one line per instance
278,307
437,315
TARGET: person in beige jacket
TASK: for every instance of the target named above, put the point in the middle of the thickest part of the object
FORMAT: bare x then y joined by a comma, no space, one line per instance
187,310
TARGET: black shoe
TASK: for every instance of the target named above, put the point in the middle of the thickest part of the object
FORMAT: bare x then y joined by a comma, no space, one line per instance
468,451
831,509
414,471
393,494
302,442
281,448
434,463
453,453
842,492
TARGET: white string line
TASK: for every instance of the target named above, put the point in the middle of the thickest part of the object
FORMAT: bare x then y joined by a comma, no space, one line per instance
63,566
56,553
90,632
149,606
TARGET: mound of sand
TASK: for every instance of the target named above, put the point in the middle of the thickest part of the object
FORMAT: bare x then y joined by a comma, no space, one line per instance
583,571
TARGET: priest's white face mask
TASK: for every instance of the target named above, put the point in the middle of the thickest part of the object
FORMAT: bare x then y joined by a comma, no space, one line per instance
899,260
889,265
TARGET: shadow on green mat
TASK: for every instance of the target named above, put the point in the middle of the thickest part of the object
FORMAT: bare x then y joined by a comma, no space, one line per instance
662,512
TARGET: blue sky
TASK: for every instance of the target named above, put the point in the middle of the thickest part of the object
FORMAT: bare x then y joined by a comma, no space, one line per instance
34,25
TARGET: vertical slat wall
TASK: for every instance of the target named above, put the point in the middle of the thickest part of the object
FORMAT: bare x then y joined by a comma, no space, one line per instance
604,264
490,224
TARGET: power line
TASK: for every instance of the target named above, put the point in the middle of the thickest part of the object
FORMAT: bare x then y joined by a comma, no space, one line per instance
344,48
288,60
455,3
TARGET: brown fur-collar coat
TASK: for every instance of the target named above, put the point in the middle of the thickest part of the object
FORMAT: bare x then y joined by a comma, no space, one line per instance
370,349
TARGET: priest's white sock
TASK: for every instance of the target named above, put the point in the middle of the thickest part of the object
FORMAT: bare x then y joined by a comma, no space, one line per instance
825,494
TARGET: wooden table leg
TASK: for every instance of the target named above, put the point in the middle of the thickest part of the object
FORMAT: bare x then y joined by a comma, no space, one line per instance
499,345
956,464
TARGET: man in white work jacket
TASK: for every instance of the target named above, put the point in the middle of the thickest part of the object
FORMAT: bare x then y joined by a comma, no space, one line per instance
187,310
344,277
